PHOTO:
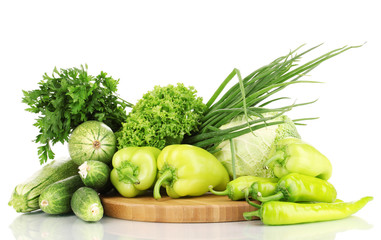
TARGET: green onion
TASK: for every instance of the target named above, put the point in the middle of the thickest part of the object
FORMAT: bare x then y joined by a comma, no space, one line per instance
251,94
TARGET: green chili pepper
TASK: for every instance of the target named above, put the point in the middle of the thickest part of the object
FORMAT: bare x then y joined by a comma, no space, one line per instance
234,189
282,213
186,170
293,155
296,187
134,170
262,189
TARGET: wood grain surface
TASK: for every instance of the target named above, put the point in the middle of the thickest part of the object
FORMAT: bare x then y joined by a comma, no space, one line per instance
203,209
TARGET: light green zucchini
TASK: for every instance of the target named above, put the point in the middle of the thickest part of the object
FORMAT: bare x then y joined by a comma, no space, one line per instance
26,195
95,174
55,199
87,205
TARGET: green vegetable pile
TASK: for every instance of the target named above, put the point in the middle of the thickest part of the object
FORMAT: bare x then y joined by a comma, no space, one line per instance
235,144
302,193
69,185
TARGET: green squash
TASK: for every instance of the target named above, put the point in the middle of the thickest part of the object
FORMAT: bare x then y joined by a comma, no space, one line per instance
87,205
92,140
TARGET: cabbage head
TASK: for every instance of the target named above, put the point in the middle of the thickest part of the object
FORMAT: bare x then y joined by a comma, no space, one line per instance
251,149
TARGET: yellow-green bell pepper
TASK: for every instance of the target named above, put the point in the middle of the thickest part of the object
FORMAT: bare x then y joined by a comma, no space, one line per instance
292,155
186,170
134,170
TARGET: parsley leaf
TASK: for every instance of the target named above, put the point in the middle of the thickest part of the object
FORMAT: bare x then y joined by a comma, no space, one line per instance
68,98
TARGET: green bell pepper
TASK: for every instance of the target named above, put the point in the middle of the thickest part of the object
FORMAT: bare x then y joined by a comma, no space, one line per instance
235,188
292,155
134,170
186,170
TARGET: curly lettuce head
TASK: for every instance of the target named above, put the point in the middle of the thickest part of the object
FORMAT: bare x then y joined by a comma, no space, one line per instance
251,149
162,117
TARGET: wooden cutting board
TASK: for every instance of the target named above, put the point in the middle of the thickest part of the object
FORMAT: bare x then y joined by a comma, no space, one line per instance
203,209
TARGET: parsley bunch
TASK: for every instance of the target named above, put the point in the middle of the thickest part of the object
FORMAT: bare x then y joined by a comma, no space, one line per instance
68,98
162,117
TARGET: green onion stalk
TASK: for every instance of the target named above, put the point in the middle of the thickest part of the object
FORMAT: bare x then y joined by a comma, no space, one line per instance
251,96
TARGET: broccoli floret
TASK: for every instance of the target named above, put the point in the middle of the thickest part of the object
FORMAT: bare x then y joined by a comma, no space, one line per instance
162,117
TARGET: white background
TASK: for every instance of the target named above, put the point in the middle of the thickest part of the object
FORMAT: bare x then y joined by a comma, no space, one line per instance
147,43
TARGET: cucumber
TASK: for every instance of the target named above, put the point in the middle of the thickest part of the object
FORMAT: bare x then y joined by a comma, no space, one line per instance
26,195
94,174
92,140
55,199
87,205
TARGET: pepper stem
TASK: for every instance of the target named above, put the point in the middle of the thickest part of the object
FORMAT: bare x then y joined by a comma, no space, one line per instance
250,215
219,193
277,156
250,202
126,175
133,179
278,196
247,193
167,175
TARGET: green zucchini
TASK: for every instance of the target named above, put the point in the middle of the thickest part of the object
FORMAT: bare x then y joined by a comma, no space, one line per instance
26,195
87,205
95,174
55,199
